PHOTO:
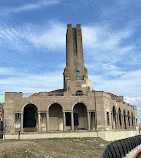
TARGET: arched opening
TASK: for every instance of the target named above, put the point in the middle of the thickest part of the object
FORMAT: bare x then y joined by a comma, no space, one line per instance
80,116
128,115
119,114
55,117
114,117
79,93
30,117
124,118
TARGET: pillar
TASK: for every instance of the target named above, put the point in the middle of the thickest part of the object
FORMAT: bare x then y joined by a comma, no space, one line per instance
121,126
47,121
72,121
39,128
64,121
21,125
95,121
88,116
117,122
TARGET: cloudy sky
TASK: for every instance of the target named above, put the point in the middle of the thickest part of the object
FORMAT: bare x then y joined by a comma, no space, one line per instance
32,44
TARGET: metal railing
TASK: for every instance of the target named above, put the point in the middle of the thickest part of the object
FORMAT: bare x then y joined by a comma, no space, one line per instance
120,148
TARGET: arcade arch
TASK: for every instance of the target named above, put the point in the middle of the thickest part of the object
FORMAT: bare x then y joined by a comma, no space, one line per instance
80,116
30,117
55,117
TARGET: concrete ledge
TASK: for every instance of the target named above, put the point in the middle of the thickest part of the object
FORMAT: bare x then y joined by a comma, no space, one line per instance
106,135
134,153
53,135
116,135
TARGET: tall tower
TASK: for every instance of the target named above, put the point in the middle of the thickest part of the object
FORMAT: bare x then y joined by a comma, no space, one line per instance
75,73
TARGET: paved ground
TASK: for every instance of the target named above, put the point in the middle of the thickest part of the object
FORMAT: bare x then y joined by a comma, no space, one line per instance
53,148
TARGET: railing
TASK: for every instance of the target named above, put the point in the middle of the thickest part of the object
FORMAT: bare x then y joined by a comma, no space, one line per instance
26,95
120,148
56,94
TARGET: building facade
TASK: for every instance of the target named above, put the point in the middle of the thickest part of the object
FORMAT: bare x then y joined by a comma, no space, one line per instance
75,107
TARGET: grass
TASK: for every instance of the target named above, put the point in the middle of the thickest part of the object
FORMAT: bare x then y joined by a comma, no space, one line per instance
53,148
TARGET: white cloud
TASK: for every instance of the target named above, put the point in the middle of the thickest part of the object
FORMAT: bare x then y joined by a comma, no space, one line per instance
127,84
29,37
102,43
133,100
99,42
6,71
29,83
53,38
31,6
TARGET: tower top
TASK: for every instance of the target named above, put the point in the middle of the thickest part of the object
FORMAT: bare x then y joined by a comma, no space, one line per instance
77,25
75,71
74,52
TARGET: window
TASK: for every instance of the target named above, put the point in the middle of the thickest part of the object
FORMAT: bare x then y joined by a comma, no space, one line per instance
79,93
17,120
108,120
68,118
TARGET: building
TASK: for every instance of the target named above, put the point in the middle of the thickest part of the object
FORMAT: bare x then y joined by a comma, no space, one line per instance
75,107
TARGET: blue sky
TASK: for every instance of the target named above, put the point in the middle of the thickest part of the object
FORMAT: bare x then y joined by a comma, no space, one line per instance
32,44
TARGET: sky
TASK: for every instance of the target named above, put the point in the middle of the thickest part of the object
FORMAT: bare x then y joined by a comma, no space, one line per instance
33,45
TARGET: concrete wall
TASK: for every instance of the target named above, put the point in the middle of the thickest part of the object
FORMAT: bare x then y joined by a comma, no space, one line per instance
106,135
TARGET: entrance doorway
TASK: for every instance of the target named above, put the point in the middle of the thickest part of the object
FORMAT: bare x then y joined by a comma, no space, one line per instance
80,116
30,116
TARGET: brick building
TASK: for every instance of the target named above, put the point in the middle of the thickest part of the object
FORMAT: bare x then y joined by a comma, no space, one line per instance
75,107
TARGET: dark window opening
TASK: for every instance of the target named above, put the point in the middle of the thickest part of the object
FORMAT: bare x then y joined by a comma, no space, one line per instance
1,128
29,116
68,118
76,121
79,93
108,120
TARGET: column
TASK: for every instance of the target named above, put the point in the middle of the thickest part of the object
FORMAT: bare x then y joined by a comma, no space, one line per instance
47,121
64,121
121,126
88,116
95,120
134,123
117,123
38,122
21,122
72,121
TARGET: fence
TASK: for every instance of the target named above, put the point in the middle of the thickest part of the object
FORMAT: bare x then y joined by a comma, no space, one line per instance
120,148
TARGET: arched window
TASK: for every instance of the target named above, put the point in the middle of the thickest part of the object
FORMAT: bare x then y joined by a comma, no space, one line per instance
79,93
